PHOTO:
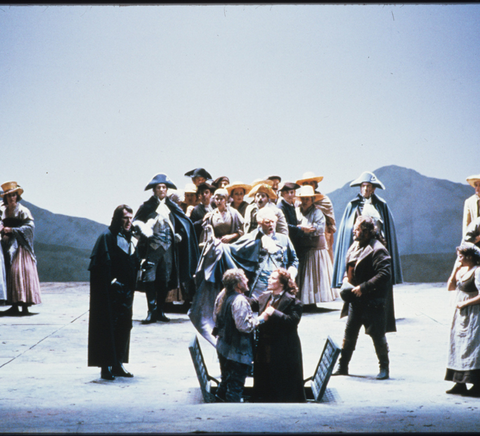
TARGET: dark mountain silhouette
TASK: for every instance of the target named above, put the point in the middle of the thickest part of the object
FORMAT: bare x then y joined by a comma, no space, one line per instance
427,212
428,219
63,245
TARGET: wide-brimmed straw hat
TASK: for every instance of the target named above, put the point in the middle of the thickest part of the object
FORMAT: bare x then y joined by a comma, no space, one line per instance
368,177
9,187
238,185
309,176
307,191
472,179
264,187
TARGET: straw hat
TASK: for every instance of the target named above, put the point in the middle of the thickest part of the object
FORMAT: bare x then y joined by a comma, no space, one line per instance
309,176
307,191
368,177
258,181
9,187
264,187
472,179
238,185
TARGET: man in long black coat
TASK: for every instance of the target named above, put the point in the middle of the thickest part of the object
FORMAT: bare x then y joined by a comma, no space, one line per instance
368,295
113,270
169,247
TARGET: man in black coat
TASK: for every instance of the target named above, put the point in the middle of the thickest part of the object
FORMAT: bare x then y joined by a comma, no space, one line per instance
368,295
287,206
168,245
113,270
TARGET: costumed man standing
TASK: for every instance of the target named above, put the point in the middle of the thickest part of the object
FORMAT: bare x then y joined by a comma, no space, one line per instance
368,295
234,326
367,203
168,245
286,204
113,271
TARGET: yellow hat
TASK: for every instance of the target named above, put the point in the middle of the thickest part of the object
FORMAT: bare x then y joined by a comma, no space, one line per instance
9,187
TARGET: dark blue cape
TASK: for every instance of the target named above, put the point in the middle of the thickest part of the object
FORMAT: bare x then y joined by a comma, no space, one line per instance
345,238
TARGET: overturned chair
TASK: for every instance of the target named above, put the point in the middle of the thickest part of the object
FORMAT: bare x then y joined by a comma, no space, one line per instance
313,393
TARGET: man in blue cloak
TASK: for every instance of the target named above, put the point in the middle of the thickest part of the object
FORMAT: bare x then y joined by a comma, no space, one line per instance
366,203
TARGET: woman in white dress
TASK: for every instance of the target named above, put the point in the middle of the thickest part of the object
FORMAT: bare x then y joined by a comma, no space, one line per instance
315,272
464,354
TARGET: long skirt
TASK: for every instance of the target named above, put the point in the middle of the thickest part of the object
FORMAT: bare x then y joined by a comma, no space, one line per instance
315,278
23,284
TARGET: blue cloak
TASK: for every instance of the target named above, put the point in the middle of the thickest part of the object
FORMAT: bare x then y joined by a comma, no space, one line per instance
345,238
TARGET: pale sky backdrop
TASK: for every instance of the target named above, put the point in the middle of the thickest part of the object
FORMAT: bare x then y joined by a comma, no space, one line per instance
95,100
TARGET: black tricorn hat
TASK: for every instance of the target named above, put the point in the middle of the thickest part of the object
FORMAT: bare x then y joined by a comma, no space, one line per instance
199,172
160,178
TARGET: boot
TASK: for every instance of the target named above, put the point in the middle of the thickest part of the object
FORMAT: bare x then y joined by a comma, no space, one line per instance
161,304
474,391
381,348
106,373
119,371
151,295
345,357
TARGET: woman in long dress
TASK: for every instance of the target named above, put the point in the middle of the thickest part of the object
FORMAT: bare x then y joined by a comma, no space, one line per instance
315,273
464,354
17,228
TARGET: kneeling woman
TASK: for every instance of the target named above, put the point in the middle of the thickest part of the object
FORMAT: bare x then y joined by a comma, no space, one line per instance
278,366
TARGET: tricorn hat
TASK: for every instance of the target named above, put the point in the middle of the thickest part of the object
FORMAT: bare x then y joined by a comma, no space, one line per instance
309,176
264,187
307,191
287,186
238,185
368,177
199,172
9,187
472,179
160,178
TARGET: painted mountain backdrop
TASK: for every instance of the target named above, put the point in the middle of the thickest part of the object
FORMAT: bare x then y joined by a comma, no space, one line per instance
427,212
